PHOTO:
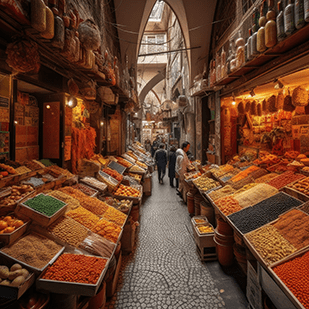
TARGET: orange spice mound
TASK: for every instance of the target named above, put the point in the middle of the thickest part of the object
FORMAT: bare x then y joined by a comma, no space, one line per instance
76,268
108,230
228,205
115,216
84,217
244,173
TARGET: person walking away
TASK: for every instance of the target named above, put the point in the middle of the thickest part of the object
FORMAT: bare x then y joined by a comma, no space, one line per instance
182,163
171,166
160,157
154,146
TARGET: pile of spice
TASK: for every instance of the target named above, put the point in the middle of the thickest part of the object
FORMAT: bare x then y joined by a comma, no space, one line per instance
98,245
45,204
293,226
71,202
112,173
69,231
108,230
228,205
114,215
84,217
251,218
94,205
223,169
76,268
270,244
285,179
34,250
294,274
266,178
205,183
254,196
245,188
85,189
227,190
93,182
73,192
244,173
301,186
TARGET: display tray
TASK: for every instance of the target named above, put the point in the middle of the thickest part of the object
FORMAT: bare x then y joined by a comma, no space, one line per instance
201,218
13,179
117,167
39,217
94,183
283,287
64,287
297,194
139,172
306,173
12,292
128,158
86,189
131,198
7,239
203,240
33,269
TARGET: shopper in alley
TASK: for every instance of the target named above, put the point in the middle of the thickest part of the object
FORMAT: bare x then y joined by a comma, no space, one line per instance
171,166
160,157
182,163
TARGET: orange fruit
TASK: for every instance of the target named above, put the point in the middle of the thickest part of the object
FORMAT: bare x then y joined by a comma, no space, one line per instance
3,225
18,223
9,229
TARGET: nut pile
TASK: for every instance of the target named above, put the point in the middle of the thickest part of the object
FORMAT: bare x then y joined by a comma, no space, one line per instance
69,231
227,190
17,193
84,217
205,183
301,186
251,218
270,244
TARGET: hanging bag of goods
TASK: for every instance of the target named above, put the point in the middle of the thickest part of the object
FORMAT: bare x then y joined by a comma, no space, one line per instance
287,104
23,56
300,100
89,35
272,104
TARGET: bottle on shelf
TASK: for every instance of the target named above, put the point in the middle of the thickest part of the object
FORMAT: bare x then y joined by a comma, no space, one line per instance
299,14
254,51
260,41
270,27
240,51
280,22
306,10
289,25
249,46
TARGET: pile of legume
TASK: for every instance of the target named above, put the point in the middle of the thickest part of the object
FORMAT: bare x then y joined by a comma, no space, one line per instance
254,196
69,231
33,249
251,218
94,205
76,268
71,202
228,205
293,226
284,179
266,178
295,275
84,217
270,244
108,230
85,189
114,215
45,204
227,190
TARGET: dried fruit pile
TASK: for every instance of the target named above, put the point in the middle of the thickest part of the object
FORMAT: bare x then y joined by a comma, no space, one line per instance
113,173
127,191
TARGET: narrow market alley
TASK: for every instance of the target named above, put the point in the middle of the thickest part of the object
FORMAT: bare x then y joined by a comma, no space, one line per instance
165,270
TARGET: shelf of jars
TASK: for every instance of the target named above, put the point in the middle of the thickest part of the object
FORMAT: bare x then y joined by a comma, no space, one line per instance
89,66
288,44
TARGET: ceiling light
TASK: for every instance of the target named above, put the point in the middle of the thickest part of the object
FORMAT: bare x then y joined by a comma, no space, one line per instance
234,99
72,102
48,106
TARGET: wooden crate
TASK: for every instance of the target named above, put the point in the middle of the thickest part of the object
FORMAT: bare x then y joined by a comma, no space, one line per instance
38,217
297,194
206,253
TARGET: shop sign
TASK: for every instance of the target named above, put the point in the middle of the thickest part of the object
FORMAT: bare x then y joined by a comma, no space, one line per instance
4,102
4,115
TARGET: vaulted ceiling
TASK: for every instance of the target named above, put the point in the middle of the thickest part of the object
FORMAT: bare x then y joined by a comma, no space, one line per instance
195,18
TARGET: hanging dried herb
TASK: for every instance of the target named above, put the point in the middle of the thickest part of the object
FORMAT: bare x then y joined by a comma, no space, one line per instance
241,108
247,107
253,108
272,108
287,104
259,109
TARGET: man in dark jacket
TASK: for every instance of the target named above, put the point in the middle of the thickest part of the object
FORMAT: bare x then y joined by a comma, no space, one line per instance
160,157
171,166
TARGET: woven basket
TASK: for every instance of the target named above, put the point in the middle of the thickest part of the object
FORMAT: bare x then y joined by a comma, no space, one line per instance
241,108
272,102
287,104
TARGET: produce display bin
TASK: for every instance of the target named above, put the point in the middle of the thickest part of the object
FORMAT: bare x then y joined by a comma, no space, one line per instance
117,167
75,288
39,217
11,292
8,238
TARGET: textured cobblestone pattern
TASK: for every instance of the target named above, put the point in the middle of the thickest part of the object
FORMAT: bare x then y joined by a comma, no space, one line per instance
165,271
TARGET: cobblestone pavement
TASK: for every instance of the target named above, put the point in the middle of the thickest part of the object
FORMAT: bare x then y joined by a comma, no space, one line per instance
165,271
